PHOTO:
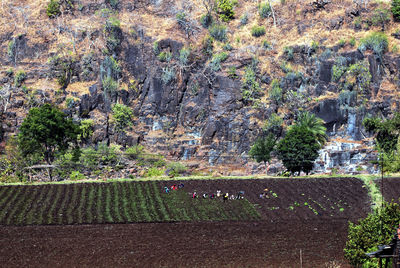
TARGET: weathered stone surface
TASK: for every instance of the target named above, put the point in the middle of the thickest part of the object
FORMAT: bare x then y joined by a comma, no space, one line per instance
330,111
325,71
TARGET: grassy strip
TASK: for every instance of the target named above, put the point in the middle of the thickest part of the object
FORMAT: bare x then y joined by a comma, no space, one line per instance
373,191
165,178
50,217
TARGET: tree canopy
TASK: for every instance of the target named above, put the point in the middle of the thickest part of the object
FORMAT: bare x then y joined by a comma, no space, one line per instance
314,124
386,132
376,229
45,132
298,149
262,148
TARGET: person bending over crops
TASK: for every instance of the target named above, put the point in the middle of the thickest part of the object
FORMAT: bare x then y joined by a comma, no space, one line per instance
218,193
166,189
226,196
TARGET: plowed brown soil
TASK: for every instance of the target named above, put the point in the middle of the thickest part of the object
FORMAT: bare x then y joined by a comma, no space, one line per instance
391,188
209,244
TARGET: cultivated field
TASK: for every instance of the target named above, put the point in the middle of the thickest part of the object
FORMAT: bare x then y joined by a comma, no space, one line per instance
127,202
115,202
391,188
175,230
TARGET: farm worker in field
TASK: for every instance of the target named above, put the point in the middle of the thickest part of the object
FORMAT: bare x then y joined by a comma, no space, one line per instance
166,189
194,194
173,187
262,195
205,195
232,197
212,196
181,185
226,196
218,193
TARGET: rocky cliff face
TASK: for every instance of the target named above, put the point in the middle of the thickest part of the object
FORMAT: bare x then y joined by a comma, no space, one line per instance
197,109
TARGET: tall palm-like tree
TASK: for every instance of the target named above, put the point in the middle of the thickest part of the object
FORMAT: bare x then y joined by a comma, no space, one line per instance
313,124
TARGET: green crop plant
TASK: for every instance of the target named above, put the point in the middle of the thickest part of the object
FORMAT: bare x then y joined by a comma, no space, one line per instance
90,202
99,212
107,208
16,205
125,202
50,211
160,203
117,201
23,214
70,207
60,212
82,203
9,204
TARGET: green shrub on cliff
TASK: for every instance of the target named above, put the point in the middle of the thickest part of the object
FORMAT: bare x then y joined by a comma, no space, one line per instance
225,9
396,9
53,9
218,31
377,42
258,31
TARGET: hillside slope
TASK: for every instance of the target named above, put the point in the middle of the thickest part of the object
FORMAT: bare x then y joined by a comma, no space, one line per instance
196,97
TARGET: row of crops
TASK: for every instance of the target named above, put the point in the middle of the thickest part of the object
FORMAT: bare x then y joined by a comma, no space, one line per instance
117,202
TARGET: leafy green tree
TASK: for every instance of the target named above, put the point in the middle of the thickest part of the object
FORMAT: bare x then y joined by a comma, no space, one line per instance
122,115
298,149
387,132
46,131
376,229
262,149
314,124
